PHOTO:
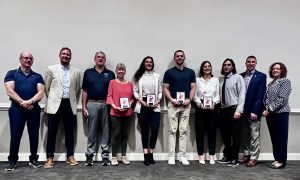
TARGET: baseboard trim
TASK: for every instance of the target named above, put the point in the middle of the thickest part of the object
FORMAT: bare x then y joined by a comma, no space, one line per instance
139,156
5,107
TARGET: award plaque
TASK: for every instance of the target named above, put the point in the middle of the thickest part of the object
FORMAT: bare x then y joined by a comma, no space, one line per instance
124,103
180,97
207,102
151,99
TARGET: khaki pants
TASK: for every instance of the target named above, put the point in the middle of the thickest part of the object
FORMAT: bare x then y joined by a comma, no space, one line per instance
178,118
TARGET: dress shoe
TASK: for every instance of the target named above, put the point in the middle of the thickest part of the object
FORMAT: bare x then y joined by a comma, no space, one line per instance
71,160
245,159
251,163
49,163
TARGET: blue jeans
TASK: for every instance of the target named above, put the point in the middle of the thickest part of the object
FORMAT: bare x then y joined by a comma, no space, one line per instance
18,116
149,119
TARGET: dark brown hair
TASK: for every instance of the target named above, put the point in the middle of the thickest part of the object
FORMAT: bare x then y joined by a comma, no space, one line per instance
283,69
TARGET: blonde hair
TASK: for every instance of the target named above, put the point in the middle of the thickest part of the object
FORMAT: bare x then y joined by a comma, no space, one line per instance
120,66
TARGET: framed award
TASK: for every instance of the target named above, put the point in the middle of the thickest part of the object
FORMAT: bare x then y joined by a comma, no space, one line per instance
151,99
207,102
180,97
124,103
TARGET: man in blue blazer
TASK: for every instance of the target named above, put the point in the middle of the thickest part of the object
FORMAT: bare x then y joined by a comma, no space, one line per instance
255,82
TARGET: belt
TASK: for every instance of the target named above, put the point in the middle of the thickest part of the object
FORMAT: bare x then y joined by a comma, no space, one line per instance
99,101
230,107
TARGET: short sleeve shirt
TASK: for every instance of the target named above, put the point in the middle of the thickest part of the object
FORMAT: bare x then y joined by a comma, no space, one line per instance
179,80
25,85
96,84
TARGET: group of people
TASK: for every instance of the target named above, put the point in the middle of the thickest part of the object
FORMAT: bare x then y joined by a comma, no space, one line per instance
233,102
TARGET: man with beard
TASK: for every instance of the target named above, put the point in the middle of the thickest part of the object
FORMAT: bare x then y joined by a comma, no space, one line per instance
62,87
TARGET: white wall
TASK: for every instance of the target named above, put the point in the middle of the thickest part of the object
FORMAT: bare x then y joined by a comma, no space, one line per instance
128,30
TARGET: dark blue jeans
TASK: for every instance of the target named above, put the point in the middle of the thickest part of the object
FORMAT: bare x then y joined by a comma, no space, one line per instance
18,116
278,124
65,114
149,119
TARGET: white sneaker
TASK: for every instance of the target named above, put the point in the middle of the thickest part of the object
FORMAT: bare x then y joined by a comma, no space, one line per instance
202,162
212,160
184,161
201,159
171,161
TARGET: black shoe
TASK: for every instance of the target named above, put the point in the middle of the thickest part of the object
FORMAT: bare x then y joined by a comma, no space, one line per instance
224,160
89,161
151,160
233,163
146,160
34,164
105,162
11,166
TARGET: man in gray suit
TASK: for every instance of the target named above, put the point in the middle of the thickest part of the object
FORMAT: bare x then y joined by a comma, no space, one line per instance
62,88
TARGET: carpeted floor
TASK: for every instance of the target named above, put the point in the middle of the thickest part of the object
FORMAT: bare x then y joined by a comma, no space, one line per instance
161,171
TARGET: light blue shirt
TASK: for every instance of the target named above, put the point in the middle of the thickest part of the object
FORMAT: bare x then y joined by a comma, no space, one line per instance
65,74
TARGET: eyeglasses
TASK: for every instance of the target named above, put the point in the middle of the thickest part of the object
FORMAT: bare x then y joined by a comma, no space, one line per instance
28,58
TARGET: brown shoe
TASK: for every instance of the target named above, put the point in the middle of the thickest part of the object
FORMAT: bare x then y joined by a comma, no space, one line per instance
245,160
49,163
71,160
251,163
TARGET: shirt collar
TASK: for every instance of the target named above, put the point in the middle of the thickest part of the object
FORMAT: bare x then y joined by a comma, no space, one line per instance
249,73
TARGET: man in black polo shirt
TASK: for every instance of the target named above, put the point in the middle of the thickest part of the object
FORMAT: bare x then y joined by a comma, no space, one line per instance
179,86
94,108
25,89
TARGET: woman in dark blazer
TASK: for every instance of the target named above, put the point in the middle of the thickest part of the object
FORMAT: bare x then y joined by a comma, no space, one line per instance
276,102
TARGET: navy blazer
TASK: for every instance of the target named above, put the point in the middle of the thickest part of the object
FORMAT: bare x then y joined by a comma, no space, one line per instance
255,94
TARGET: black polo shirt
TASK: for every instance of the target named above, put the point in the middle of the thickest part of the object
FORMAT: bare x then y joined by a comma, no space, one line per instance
96,84
25,86
179,80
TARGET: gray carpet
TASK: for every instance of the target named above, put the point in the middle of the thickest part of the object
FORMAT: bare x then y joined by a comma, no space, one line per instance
161,170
